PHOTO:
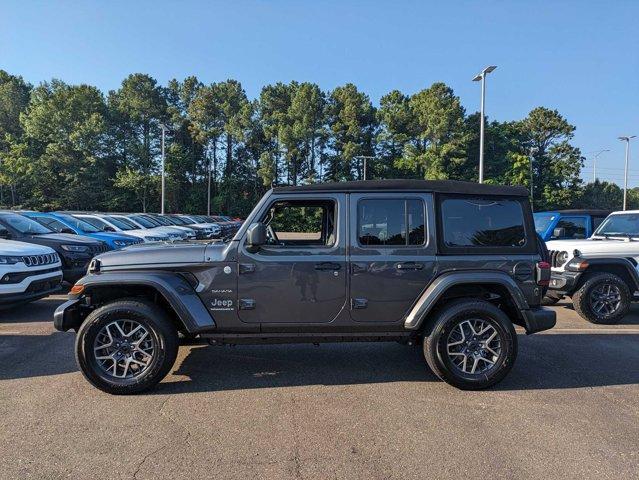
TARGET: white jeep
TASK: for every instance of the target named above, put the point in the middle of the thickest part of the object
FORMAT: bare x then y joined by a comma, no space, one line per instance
27,272
600,273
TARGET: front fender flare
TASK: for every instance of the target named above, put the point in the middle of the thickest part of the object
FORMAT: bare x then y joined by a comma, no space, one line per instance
438,287
172,286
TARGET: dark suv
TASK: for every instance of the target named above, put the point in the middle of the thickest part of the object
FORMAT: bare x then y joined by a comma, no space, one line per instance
75,251
450,265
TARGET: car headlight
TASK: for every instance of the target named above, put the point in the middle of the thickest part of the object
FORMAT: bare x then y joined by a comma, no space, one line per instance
9,260
75,248
562,258
154,239
120,243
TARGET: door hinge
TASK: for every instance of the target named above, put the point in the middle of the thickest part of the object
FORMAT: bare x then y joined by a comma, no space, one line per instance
247,304
358,303
247,268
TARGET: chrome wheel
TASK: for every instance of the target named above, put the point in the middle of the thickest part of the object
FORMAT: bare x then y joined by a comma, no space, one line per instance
474,346
605,299
124,349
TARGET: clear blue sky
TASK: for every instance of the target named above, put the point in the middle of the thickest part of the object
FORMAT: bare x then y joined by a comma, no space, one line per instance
580,57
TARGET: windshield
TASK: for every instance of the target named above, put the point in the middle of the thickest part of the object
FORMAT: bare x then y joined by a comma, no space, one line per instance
145,222
543,221
623,225
121,223
160,220
81,225
25,225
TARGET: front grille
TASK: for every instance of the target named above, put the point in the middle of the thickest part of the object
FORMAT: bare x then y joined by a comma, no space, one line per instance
37,260
97,249
552,254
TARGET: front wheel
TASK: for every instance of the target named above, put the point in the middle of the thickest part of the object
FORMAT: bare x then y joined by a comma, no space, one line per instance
473,345
126,346
603,298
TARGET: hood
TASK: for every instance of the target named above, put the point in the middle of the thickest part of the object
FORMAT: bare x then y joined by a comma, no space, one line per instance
11,247
154,255
595,247
64,238
114,236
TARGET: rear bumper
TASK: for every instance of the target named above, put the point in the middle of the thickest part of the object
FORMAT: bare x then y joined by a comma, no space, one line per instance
539,319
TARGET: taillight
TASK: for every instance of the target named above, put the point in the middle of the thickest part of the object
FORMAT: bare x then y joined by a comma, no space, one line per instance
543,274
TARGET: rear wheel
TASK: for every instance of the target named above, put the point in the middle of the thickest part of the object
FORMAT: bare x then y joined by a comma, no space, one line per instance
603,298
473,344
126,346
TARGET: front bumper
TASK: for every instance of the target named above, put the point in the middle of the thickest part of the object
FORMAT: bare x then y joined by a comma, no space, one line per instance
68,316
36,290
564,283
539,319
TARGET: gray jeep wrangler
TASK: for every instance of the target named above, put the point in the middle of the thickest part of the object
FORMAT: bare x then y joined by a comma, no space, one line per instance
443,264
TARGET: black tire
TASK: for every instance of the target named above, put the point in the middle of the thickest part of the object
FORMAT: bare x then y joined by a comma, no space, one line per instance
583,300
450,317
550,299
160,329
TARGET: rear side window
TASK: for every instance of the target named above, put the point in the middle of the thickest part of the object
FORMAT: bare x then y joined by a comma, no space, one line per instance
391,222
482,223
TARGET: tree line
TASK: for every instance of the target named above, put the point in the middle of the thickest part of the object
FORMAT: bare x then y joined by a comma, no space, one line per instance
68,146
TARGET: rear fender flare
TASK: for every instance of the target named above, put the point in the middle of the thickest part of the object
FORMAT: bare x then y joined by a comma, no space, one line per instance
435,291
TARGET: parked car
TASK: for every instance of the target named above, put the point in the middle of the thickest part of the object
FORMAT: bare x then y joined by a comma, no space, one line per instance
143,223
214,230
27,272
107,223
65,223
162,221
450,265
201,233
568,224
74,251
600,274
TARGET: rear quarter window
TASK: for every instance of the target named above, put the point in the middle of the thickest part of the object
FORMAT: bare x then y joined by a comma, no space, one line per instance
495,225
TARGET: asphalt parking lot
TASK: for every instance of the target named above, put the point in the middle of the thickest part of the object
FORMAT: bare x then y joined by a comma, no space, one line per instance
569,409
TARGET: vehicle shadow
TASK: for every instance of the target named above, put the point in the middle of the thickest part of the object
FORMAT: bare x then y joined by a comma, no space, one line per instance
632,318
552,361
27,356
31,312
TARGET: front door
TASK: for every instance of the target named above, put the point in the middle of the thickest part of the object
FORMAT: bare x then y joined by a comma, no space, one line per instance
299,276
392,254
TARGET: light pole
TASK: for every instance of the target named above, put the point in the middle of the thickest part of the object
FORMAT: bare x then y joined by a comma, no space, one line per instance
594,163
365,158
164,130
625,175
482,76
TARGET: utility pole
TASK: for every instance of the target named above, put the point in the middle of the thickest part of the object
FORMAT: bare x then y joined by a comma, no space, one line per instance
364,158
625,176
482,77
164,130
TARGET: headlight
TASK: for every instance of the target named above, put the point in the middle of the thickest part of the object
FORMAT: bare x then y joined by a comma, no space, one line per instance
75,248
153,239
9,260
562,258
120,243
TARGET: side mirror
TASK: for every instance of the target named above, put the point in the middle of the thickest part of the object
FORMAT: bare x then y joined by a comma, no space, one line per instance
256,236
4,233
68,230
559,233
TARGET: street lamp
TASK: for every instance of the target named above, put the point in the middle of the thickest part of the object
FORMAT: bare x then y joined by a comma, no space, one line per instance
482,76
625,176
365,158
594,164
164,130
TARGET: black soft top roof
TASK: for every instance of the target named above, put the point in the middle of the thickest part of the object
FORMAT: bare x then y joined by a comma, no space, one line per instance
440,186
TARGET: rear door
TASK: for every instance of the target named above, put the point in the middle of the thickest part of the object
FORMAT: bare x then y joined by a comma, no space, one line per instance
392,253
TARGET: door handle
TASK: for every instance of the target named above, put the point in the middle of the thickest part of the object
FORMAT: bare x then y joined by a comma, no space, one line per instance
409,266
327,266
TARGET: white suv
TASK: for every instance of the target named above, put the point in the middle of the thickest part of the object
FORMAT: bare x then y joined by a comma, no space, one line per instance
27,272
600,273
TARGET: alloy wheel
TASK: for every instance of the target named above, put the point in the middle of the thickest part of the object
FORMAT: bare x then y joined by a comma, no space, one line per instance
124,349
474,346
605,299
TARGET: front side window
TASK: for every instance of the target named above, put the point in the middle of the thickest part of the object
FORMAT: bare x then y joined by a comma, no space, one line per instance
476,222
391,222
301,222
80,225
51,223
571,227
